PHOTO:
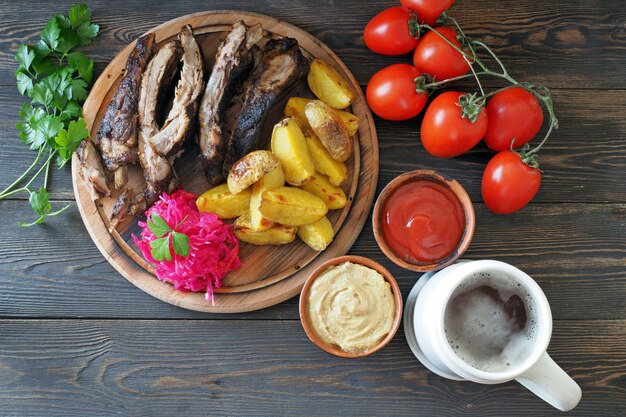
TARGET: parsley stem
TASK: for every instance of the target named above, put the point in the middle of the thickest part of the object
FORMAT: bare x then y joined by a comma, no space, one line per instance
56,213
21,178
45,178
45,165
16,191
38,221
181,222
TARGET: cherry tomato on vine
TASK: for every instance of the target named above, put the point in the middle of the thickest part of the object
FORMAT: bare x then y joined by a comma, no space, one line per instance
391,93
388,32
509,183
434,56
445,133
513,113
428,10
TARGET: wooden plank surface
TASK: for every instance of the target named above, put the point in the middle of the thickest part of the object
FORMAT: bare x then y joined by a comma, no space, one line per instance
560,45
584,161
571,250
77,339
204,367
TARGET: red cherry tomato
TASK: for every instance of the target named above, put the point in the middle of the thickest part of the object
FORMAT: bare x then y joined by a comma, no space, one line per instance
436,57
444,132
508,183
513,113
428,10
388,32
391,93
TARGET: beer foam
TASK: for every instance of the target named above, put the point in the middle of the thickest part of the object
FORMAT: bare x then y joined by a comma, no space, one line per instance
490,322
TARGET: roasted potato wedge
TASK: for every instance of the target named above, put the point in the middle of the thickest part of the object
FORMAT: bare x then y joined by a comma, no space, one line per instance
289,146
317,235
273,179
250,169
329,86
221,201
277,234
336,171
350,121
295,108
291,206
329,128
334,197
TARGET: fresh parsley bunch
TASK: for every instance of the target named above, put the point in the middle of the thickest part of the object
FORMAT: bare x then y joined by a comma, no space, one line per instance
55,78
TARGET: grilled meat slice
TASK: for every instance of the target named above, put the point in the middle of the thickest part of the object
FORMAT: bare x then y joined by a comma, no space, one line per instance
92,170
157,170
117,136
282,66
179,124
127,202
233,62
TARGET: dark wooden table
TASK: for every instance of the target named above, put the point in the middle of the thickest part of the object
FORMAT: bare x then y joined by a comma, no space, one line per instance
76,339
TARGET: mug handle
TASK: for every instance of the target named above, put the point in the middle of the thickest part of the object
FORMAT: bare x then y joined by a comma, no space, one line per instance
550,383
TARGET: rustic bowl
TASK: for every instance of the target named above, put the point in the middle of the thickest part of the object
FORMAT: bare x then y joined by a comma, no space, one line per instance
461,194
304,317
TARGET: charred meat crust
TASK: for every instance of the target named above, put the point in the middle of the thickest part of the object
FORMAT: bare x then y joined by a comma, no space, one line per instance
127,202
233,63
282,66
117,135
180,122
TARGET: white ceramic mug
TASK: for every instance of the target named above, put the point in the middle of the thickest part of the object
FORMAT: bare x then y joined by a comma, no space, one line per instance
537,371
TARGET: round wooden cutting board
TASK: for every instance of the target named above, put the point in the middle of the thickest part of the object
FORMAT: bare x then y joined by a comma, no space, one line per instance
270,274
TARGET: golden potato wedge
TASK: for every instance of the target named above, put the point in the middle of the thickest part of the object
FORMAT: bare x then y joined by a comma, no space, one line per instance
334,197
273,179
329,86
336,171
329,128
277,234
317,235
291,206
290,148
250,169
350,121
221,201
295,108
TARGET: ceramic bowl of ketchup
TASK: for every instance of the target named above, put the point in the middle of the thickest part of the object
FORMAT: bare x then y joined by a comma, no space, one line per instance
423,221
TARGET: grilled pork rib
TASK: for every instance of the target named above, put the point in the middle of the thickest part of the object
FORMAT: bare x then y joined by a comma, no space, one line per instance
157,171
282,66
179,124
127,202
233,63
92,170
117,136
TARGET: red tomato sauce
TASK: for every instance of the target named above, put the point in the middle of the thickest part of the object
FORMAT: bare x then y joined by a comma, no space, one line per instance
423,221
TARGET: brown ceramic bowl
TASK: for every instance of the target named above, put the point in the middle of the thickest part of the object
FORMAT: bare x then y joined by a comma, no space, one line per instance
304,316
456,188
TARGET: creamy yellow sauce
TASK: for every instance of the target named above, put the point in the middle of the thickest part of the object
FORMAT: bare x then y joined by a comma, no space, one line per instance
351,306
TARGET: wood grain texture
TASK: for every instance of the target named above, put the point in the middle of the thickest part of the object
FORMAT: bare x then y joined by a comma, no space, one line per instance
584,161
559,45
118,351
150,368
576,253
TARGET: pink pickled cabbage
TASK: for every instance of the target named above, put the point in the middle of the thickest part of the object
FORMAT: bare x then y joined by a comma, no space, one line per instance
213,247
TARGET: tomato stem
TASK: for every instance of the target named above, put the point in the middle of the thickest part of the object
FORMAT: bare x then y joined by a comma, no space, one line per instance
541,92
469,58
